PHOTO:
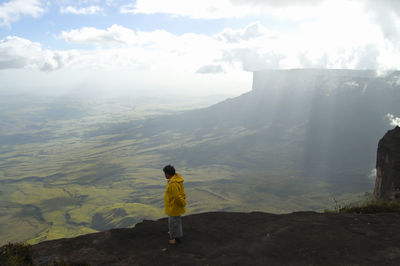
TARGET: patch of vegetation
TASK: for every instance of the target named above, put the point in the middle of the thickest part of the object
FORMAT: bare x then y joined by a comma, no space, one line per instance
15,254
369,206
20,254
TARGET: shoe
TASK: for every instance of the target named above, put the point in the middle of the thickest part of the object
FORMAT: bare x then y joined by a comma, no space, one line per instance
174,241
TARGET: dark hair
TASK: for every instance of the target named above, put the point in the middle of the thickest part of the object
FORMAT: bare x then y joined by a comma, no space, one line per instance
169,170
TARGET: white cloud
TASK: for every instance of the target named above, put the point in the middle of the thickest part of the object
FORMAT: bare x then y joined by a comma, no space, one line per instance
126,59
206,9
360,45
128,8
251,31
395,81
11,11
210,69
120,48
386,13
253,59
90,10
351,34
394,121
372,175
274,3
351,41
161,50
329,34
354,41
20,53
325,43
352,84
110,2
209,9
113,35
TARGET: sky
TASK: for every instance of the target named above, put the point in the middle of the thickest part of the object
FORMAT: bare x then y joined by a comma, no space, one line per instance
187,47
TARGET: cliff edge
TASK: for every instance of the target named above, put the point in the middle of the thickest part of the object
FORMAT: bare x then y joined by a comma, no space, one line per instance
221,238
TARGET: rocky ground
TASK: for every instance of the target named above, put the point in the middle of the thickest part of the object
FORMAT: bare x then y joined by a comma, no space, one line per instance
302,238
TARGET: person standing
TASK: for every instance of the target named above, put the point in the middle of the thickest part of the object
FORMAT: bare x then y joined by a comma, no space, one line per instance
174,203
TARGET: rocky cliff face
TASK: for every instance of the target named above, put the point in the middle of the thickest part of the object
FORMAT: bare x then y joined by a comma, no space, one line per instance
387,184
302,238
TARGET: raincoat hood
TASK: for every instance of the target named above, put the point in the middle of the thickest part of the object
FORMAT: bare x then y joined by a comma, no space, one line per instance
176,178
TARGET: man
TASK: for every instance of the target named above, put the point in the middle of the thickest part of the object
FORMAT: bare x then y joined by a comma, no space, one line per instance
174,203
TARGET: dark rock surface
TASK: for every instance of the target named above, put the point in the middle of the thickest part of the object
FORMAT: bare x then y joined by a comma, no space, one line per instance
302,238
387,184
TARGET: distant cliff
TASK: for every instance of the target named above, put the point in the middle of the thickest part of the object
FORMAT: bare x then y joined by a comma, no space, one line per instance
387,185
325,122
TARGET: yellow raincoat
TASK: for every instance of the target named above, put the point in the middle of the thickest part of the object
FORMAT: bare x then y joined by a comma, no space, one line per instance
175,196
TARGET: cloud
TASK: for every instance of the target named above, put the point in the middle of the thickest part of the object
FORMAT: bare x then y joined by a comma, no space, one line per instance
394,121
251,31
277,4
155,60
110,2
327,44
113,35
17,52
352,84
253,47
386,13
90,10
253,59
372,175
11,11
55,60
328,34
209,9
354,41
206,9
120,47
348,34
210,69
128,8
368,57
395,81
21,53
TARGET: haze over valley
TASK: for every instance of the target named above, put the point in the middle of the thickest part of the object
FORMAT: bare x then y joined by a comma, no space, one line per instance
299,140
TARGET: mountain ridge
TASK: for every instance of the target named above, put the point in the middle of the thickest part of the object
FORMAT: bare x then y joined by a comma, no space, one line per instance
331,117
